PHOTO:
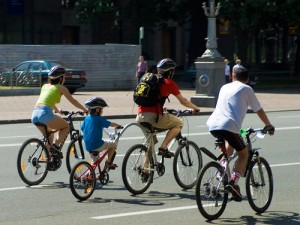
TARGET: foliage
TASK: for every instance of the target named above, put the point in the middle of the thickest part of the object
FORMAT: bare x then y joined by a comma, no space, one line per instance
87,10
249,17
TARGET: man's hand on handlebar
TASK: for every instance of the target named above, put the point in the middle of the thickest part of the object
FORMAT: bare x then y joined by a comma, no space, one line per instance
269,129
196,111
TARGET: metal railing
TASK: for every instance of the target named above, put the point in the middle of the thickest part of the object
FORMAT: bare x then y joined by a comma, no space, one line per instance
22,79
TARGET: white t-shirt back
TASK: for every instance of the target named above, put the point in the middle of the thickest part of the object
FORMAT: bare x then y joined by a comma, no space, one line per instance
233,102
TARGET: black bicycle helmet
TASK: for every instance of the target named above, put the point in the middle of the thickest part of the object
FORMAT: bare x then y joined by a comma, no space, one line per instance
166,65
95,102
56,72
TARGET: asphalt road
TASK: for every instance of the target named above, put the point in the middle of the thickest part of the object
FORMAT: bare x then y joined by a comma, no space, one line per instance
164,203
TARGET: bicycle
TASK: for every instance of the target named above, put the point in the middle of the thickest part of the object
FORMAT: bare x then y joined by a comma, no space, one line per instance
34,160
140,162
211,196
84,175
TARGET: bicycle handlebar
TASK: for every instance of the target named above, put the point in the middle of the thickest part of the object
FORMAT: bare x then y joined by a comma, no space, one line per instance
71,113
266,130
181,112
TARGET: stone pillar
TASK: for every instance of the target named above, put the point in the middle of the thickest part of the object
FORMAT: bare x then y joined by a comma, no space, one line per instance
210,66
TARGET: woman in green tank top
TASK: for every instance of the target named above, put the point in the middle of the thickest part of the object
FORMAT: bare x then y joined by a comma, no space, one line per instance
46,106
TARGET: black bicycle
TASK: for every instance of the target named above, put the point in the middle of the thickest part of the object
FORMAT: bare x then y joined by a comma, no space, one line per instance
34,159
211,196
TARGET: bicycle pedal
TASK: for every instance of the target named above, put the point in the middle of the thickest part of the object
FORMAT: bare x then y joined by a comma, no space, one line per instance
236,199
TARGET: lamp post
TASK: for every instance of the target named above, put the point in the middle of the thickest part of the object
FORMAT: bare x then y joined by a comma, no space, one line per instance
211,41
210,66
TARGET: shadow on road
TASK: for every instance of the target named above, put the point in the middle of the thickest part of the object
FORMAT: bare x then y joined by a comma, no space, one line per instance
269,217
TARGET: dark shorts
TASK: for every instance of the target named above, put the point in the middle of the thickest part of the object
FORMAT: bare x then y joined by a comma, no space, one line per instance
235,140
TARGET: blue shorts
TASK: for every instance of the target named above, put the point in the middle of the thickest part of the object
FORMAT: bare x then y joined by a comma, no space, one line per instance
42,114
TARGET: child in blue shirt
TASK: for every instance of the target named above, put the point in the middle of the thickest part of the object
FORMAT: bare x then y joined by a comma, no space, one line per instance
92,128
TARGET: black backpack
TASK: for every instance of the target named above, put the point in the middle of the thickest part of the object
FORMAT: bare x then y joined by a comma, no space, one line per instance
147,92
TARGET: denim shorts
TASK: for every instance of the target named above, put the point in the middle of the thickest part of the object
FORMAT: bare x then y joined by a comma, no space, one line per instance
42,114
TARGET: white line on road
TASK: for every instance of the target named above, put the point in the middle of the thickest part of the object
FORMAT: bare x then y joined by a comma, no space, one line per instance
144,212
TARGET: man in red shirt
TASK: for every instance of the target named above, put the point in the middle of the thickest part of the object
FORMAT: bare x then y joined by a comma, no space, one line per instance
173,124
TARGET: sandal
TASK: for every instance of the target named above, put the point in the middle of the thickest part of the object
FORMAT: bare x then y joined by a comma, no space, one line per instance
164,152
110,165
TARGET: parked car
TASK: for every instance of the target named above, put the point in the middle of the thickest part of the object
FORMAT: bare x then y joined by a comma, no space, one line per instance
190,76
35,73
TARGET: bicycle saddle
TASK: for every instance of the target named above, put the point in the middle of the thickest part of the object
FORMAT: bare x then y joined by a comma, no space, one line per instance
151,128
220,142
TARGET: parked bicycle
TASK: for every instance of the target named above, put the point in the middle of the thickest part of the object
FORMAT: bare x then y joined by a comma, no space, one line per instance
34,160
140,161
211,196
84,175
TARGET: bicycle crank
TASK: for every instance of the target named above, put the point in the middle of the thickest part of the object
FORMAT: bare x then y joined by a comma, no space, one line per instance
160,168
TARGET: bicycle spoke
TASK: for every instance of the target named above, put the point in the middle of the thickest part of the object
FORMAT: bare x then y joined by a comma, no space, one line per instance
82,180
136,174
187,164
211,196
259,186
32,162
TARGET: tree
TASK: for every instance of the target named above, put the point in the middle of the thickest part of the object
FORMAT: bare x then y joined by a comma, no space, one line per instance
249,17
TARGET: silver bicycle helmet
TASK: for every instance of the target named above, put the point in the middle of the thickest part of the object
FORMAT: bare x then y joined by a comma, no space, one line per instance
95,102
56,72
166,65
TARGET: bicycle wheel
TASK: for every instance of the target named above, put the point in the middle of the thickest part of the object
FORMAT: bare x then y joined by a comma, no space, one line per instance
211,196
259,185
74,154
82,180
32,161
136,177
187,164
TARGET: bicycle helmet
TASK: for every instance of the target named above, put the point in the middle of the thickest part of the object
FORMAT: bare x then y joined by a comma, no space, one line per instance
95,102
166,65
56,72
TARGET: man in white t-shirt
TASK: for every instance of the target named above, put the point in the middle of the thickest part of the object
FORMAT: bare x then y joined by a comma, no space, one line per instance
226,122
237,65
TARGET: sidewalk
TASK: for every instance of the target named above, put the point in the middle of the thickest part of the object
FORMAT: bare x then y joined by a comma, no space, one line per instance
18,109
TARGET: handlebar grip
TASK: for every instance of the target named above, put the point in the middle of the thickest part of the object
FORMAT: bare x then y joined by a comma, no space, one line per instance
269,129
64,112
80,113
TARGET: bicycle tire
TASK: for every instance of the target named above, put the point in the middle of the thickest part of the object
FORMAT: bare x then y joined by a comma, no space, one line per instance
133,167
74,154
211,202
187,164
259,195
82,180
32,161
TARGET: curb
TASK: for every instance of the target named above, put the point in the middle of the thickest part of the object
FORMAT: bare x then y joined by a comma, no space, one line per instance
20,92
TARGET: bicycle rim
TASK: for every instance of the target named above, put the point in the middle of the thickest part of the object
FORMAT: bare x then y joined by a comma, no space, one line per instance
133,170
82,180
187,164
211,196
73,155
32,161
259,185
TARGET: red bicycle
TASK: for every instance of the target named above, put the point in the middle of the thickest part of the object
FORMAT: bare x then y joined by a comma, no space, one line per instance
84,175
